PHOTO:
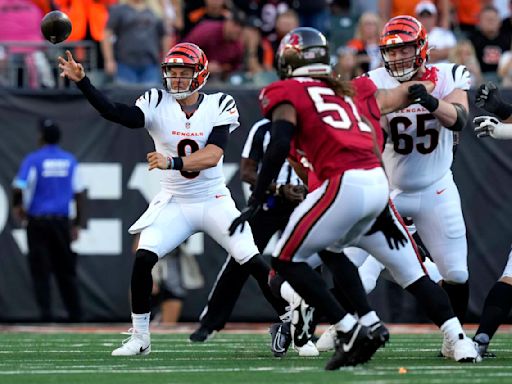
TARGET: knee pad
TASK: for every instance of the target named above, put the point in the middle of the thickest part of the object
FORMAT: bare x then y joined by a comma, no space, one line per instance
456,277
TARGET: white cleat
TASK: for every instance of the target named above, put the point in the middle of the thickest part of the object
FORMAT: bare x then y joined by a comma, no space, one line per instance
447,348
327,342
465,351
308,350
138,344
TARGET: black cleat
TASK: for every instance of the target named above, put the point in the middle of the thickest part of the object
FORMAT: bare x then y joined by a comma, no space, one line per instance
281,338
201,334
357,346
303,325
482,343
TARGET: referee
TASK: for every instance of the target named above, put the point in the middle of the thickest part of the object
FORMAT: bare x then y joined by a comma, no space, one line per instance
43,189
283,196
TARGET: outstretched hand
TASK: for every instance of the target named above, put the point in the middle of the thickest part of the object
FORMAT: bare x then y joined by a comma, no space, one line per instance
491,126
387,225
488,97
247,213
70,68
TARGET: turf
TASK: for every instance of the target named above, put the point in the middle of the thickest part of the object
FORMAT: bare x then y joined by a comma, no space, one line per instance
231,358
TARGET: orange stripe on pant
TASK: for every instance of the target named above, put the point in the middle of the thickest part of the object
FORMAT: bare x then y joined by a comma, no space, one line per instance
307,221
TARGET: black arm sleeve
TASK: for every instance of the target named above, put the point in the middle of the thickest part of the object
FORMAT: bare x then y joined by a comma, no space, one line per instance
129,116
219,136
277,151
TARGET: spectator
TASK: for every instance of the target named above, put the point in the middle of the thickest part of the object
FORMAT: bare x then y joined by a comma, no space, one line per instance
24,64
42,191
313,13
347,67
285,22
222,42
440,40
343,19
366,42
505,69
196,11
464,53
392,8
135,40
466,13
490,42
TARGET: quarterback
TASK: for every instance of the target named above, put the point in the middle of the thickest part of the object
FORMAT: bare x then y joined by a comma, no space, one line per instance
190,130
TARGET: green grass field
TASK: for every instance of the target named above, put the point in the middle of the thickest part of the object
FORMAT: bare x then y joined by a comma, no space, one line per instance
231,358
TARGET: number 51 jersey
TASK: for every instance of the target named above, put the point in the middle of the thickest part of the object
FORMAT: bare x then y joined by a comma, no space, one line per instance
419,150
176,135
329,132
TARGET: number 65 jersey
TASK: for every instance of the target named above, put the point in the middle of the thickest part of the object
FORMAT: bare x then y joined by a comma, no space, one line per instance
419,150
176,135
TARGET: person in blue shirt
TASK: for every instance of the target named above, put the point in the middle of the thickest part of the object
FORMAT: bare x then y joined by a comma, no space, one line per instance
43,189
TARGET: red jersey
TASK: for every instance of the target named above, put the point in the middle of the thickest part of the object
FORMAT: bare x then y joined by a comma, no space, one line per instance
330,132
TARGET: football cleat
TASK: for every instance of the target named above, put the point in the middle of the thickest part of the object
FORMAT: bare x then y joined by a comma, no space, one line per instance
465,350
281,338
201,334
482,343
357,346
302,327
137,344
308,350
327,342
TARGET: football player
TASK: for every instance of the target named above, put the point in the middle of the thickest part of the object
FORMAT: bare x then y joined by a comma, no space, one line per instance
418,152
498,302
190,130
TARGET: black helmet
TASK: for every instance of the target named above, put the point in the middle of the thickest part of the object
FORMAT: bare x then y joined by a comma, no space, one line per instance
303,52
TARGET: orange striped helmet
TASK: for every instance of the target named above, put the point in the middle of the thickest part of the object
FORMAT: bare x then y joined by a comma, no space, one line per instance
186,55
403,31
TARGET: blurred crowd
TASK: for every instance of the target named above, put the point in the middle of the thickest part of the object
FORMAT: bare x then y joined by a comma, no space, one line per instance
123,41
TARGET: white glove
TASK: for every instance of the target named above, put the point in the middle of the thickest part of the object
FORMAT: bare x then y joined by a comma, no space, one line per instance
491,126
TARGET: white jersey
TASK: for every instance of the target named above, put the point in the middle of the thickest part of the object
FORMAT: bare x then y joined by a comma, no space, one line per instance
176,135
418,150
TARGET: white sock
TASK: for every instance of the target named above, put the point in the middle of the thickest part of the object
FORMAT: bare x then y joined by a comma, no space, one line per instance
345,324
289,294
452,329
140,322
369,319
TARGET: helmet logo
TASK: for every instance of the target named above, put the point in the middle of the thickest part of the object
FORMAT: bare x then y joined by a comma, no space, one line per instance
294,39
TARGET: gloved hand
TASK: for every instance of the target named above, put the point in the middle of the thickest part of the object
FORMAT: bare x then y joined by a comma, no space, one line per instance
294,193
418,94
247,213
489,98
386,224
491,126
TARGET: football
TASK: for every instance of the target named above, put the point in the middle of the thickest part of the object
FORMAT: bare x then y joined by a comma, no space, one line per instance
56,27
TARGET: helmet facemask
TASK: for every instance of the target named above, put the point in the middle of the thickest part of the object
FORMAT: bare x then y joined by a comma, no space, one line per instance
404,68
180,87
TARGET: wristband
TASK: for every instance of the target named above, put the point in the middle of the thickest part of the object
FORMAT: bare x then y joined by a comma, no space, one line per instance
430,103
177,163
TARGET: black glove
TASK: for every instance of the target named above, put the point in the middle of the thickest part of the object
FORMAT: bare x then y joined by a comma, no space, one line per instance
385,224
489,98
247,213
418,94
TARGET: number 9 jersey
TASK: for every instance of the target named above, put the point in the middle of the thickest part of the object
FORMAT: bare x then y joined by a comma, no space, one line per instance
419,150
176,135
330,131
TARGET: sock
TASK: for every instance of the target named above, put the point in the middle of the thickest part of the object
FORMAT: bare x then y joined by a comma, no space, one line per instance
452,329
346,277
496,308
310,286
289,294
459,298
142,281
433,299
140,322
346,324
369,319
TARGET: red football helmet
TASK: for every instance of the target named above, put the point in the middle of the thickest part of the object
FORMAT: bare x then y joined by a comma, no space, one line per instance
186,55
404,31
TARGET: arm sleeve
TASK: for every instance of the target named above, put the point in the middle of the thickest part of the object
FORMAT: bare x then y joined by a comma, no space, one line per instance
129,116
227,112
21,179
219,136
461,77
277,151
